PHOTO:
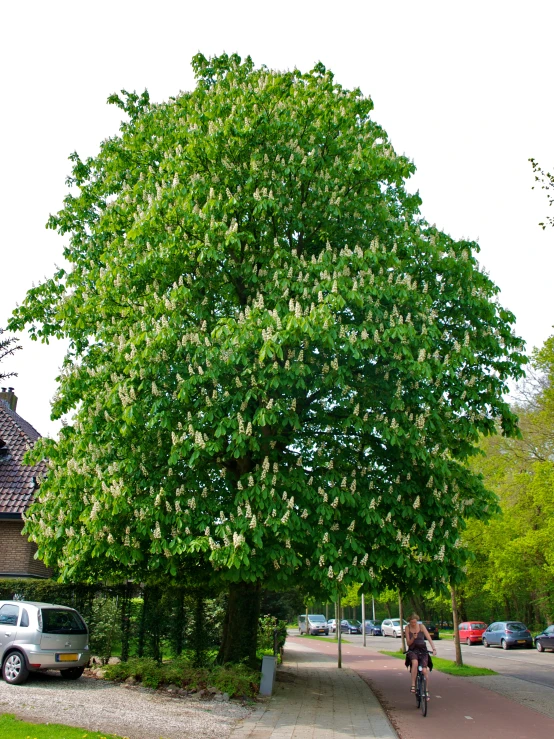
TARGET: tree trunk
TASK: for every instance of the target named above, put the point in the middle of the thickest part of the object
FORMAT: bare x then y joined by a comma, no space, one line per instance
142,623
178,635
459,660
125,622
240,629
339,633
401,617
199,633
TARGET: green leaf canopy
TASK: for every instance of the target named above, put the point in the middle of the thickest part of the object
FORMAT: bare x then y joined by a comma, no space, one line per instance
275,363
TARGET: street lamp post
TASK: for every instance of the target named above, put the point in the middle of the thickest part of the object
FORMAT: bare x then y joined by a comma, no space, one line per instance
363,617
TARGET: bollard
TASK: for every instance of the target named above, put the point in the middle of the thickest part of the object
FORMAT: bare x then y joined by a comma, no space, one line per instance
269,668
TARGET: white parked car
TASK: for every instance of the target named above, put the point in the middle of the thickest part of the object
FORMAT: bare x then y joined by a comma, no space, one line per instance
391,627
41,636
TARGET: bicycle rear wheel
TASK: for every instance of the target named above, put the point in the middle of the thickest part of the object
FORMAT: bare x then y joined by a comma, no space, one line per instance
423,693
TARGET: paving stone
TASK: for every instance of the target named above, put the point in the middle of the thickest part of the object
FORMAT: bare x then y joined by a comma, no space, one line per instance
313,699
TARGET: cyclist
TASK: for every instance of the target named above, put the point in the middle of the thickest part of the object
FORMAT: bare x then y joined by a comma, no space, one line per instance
417,653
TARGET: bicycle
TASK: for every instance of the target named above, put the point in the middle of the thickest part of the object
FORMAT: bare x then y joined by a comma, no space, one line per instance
421,690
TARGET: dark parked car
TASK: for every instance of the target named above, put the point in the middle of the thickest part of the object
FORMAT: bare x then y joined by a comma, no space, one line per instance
373,628
351,627
507,634
545,640
432,628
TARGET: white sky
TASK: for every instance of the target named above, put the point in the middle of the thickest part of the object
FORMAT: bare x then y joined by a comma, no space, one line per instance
464,88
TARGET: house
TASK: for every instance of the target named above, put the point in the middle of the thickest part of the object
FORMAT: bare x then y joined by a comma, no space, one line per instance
18,484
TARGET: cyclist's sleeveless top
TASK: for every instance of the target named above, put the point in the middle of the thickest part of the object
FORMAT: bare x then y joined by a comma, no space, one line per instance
419,642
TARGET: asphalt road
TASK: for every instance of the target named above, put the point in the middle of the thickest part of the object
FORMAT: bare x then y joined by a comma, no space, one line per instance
525,664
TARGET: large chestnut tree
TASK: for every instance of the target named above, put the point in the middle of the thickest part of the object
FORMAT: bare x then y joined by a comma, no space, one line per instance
276,366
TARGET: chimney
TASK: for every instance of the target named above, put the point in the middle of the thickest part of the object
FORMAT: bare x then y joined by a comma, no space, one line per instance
10,397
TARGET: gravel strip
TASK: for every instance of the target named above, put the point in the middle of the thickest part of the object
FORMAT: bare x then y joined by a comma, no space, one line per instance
129,711
532,695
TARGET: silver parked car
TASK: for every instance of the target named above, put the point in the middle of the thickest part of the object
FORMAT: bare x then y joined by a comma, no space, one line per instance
316,624
41,636
392,627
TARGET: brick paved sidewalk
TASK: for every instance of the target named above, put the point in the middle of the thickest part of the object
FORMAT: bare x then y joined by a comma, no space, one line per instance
313,699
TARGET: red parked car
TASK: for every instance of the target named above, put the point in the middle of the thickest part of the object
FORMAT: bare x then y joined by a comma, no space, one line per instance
471,632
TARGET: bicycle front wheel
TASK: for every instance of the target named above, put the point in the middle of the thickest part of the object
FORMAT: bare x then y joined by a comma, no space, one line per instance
423,693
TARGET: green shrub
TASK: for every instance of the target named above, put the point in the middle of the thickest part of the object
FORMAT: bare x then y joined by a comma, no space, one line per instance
266,626
104,626
145,669
236,680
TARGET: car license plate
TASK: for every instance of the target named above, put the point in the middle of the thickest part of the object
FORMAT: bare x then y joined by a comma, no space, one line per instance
66,657
521,641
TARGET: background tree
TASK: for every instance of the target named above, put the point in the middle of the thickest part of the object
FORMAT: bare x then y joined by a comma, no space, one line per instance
274,360
8,347
351,598
546,182
512,572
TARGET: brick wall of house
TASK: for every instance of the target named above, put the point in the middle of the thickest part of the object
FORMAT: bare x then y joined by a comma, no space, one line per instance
17,554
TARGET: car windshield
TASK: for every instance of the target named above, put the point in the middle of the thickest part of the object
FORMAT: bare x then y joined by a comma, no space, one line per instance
516,626
317,618
478,626
61,621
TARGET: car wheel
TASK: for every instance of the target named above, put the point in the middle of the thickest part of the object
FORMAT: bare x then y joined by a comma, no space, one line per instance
14,669
327,633
485,643
539,646
72,673
468,641
504,644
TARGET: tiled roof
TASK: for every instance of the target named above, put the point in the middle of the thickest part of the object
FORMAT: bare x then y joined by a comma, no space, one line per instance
16,478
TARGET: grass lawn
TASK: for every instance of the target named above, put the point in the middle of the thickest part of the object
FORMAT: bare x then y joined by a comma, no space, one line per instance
451,668
13,728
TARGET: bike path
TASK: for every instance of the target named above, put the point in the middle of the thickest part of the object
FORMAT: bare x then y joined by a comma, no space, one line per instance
459,707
